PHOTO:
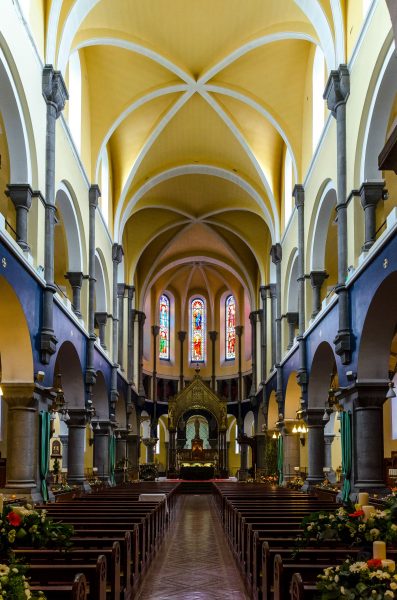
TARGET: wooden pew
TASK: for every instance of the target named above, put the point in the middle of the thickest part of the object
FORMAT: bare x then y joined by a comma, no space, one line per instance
76,590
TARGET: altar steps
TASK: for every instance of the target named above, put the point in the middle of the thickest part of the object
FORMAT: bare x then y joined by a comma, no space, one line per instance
195,487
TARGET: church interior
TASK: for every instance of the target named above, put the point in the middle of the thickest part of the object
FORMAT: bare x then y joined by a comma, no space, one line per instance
198,299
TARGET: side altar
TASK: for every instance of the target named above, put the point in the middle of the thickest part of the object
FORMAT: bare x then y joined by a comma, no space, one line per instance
197,462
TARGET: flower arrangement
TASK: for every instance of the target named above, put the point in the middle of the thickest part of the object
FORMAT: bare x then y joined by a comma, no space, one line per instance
23,526
14,585
327,485
269,479
295,483
358,580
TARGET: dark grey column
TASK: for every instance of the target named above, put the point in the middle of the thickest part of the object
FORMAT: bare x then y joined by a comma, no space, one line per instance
239,333
101,320
213,336
155,332
130,334
76,281
292,320
77,427
101,449
336,94
276,254
263,293
21,195
150,444
261,439
370,194
133,441
317,279
315,425
117,256
55,94
181,338
64,439
172,452
328,439
291,452
141,321
273,311
121,287
253,320
121,446
90,377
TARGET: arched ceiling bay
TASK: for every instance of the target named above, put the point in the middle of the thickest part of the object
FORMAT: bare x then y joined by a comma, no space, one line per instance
196,104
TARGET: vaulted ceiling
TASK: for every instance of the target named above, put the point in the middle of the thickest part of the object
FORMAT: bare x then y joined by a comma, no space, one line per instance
196,103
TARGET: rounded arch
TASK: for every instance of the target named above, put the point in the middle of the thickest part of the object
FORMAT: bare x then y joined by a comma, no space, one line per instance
322,371
272,412
249,422
15,344
378,331
67,205
292,282
101,398
326,205
101,287
121,412
68,365
292,397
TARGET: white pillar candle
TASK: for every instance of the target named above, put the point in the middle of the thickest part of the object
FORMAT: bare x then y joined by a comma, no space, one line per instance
389,564
368,511
363,498
379,550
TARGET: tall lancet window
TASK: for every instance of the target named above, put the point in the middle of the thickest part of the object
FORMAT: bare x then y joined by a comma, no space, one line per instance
164,327
230,324
198,330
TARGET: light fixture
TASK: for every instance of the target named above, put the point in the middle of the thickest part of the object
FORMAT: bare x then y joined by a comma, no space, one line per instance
295,429
390,392
97,426
274,436
1,391
326,416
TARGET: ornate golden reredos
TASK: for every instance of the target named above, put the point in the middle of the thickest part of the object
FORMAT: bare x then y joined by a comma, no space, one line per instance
197,396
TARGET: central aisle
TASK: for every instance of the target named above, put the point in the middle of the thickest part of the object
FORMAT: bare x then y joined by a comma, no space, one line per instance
194,562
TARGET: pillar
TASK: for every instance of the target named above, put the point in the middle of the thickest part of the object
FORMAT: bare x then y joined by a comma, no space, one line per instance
223,472
133,440
21,195
328,439
101,449
181,338
370,194
150,444
261,439
254,358
292,320
90,376
55,94
317,279
315,440
291,452
121,446
22,437
239,333
101,320
273,300
336,94
141,321
213,336
172,472
121,287
64,439
76,280
277,254
263,293
130,334
77,434
299,195
155,332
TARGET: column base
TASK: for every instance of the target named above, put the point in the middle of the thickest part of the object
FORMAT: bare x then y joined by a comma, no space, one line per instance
311,483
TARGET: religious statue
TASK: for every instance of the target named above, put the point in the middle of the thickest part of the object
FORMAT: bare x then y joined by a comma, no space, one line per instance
196,429
171,424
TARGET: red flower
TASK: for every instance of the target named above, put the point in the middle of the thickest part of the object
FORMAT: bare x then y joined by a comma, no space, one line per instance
358,513
14,519
374,562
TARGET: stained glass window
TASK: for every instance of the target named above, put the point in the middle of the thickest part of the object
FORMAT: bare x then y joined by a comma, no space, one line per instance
164,334
198,330
230,323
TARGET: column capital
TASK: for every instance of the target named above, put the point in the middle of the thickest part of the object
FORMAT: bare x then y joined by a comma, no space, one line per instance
155,330
271,290
117,253
21,194
101,318
314,417
366,393
292,318
181,336
106,427
299,194
141,316
130,291
213,335
20,393
75,278
54,88
317,278
93,195
253,316
328,438
239,330
371,192
276,253
121,287
337,89
263,292
79,417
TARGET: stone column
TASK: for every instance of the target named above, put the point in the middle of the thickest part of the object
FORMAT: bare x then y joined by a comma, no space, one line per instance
64,439
77,434
101,449
172,453
90,377
101,320
253,320
273,310
133,440
22,437
117,256
55,94
370,194
155,332
315,436
21,195
76,281
121,446
261,439
277,254
263,293
328,439
317,279
130,334
213,336
150,444
141,322
222,453
292,320
336,94
291,452
181,338
120,297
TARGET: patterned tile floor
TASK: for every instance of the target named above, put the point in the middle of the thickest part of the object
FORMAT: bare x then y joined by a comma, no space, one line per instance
194,562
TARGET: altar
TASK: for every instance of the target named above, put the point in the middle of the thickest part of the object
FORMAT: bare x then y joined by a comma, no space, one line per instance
197,463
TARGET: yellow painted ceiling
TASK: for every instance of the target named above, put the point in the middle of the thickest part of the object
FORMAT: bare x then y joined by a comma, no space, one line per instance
195,102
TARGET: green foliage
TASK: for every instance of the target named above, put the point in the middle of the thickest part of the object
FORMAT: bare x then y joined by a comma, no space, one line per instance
14,584
271,457
357,580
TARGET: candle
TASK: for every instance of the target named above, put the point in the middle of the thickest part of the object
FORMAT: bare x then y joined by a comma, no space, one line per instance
1,503
368,511
363,498
389,564
379,550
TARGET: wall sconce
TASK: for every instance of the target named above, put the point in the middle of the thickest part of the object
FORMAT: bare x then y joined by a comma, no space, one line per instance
302,439
390,392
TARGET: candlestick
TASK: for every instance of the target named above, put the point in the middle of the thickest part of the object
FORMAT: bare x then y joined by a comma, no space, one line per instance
379,550
389,564
363,498
368,511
